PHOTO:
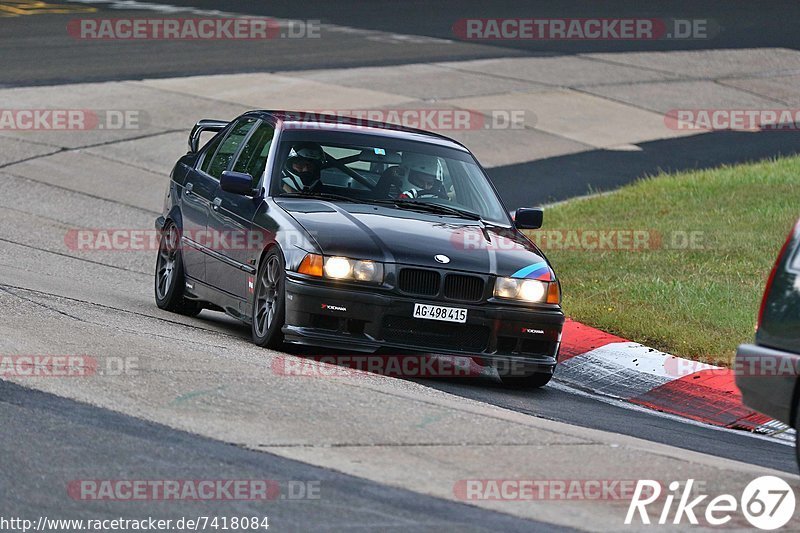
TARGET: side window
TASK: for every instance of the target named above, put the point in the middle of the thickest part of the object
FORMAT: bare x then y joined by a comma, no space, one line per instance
208,155
229,147
253,157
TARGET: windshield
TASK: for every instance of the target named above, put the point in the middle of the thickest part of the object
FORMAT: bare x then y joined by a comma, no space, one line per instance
405,174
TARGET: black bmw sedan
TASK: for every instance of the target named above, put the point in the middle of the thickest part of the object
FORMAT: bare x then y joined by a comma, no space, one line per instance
359,236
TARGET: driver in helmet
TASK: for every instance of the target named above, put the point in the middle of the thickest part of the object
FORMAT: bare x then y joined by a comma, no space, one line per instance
423,172
302,169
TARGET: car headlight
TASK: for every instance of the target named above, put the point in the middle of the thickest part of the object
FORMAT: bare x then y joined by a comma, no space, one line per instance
342,268
338,268
527,290
367,271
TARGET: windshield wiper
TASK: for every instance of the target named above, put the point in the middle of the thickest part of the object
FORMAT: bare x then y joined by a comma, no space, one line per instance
434,208
324,196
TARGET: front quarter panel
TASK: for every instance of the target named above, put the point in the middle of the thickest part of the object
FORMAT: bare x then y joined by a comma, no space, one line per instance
281,230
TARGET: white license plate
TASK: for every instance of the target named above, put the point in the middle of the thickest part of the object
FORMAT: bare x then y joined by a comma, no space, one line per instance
438,312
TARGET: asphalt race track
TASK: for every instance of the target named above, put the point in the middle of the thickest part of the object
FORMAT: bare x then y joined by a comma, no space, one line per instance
122,443
198,400
52,60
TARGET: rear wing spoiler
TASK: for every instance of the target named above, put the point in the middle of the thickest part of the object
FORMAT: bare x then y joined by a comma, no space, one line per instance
204,125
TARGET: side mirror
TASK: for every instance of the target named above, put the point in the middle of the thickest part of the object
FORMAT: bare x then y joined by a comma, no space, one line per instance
528,218
237,183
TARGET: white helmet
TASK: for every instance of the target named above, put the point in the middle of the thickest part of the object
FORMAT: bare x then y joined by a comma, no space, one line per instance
427,164
421,169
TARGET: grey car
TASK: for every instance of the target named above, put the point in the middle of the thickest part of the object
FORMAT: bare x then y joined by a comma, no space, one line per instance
767,370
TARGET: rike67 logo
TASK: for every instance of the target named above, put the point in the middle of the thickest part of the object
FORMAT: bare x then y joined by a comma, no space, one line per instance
767,502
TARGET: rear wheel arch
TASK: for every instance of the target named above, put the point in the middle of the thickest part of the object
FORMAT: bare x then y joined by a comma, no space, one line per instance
174,217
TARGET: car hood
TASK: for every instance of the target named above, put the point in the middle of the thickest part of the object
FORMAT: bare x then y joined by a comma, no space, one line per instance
388,234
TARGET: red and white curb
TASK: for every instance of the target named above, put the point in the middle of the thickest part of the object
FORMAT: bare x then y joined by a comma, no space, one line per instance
598,362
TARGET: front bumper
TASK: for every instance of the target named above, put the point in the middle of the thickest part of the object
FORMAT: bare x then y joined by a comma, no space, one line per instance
511,339
769,392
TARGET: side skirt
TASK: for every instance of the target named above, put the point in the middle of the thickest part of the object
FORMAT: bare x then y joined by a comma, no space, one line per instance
218,300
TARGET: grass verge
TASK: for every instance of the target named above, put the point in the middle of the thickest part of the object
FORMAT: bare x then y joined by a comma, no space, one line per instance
691,282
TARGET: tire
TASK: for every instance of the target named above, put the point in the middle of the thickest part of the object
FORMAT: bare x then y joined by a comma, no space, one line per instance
269,301
169,276
534,381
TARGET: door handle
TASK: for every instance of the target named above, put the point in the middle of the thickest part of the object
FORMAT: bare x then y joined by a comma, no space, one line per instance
189,187
217,203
